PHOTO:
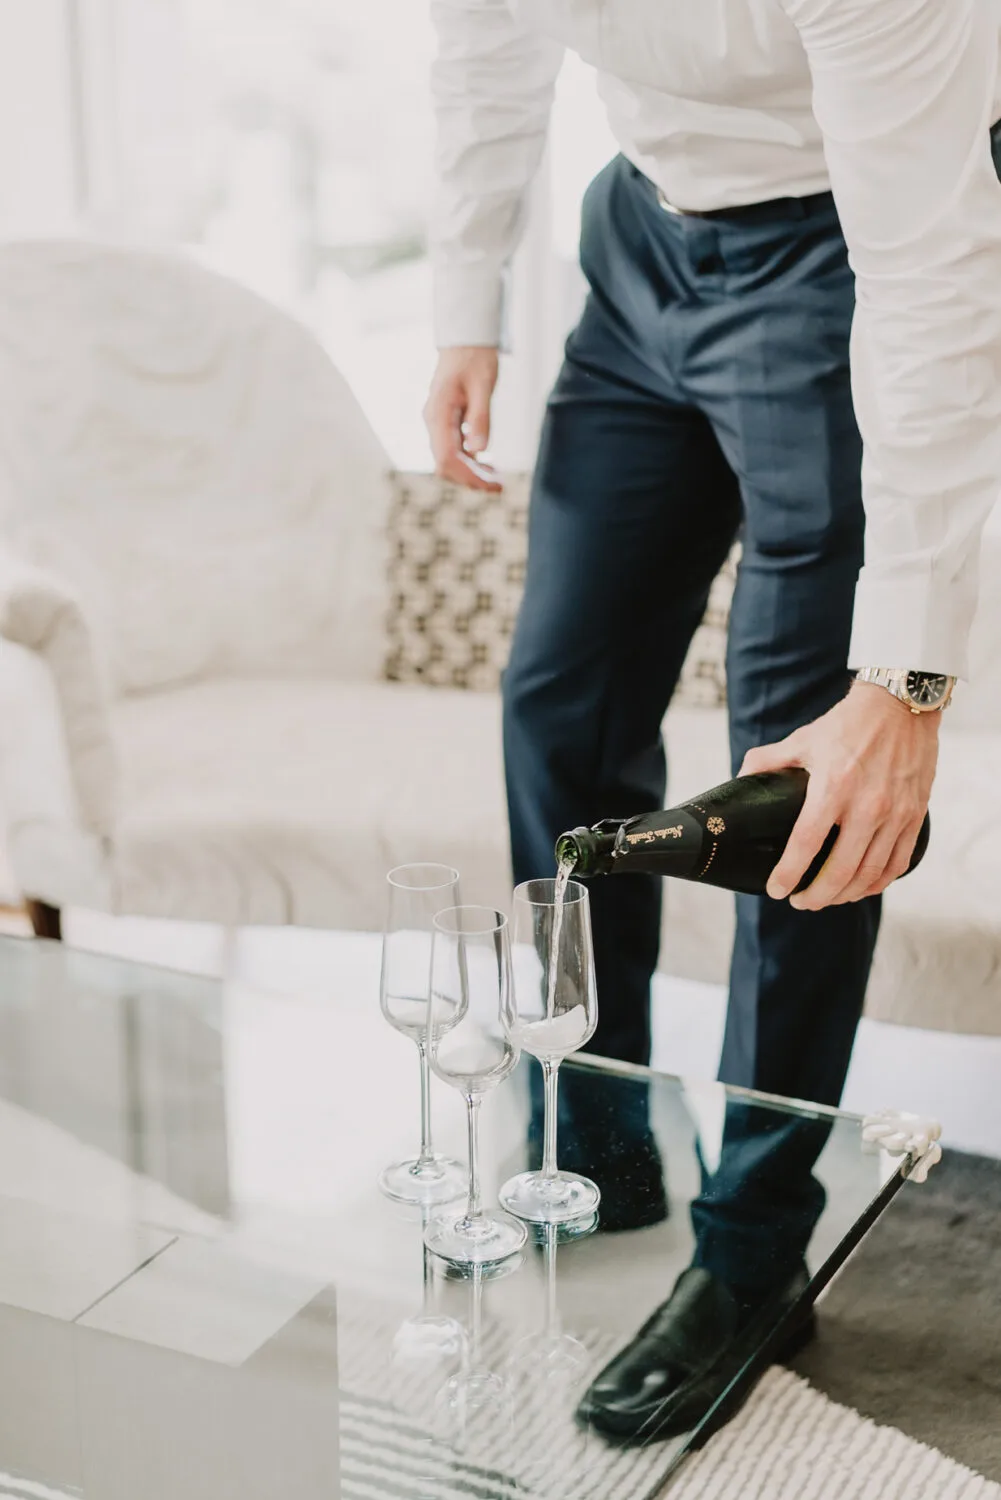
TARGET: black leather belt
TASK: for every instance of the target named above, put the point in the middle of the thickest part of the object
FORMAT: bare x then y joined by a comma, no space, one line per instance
770,208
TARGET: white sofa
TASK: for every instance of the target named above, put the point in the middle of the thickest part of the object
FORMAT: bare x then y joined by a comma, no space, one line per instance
193,721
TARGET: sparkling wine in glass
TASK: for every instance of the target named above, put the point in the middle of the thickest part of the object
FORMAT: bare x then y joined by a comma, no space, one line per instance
471,1047
555,1012
416,894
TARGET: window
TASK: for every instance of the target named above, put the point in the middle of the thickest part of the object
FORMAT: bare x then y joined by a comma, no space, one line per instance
311,177
288,144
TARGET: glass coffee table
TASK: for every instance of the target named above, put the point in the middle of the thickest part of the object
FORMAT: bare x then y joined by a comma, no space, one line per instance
204,1296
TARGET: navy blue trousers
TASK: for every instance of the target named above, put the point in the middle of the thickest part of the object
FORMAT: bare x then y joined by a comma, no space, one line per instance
705,392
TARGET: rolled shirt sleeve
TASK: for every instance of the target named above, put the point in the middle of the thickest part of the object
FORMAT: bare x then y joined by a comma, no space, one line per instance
492,85
904,93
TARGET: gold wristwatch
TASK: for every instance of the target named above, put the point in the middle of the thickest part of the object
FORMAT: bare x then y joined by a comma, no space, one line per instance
921,692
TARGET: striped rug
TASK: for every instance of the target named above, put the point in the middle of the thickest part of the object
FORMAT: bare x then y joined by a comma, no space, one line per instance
527,1444
792,1443
788,1443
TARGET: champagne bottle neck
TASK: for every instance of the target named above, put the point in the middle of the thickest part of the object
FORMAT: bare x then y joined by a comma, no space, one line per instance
589,850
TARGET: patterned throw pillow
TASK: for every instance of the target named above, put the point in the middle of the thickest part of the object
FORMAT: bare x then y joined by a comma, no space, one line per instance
703,677
456,573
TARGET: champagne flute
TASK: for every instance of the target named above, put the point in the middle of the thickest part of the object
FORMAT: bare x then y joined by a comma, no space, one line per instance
416,893
555,1013
470,1047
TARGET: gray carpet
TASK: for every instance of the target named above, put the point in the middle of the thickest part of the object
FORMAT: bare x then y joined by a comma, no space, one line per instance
910,1334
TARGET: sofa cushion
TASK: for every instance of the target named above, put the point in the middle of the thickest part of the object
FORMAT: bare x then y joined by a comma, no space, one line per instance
288,801
274,802
938,963
456,573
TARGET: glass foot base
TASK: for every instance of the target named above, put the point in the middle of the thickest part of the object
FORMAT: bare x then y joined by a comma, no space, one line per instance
496,1271
494,1238
557,1200
563,1233
467,1406
439,1181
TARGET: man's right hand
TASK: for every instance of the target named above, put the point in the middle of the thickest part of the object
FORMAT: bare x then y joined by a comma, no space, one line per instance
457,415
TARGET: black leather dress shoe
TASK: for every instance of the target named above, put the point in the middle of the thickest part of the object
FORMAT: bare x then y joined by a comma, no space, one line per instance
685,1357
631,1180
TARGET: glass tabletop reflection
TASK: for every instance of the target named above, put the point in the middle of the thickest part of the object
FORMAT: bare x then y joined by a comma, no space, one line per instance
204,1294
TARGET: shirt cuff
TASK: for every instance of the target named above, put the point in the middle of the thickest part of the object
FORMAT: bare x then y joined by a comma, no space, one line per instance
469,307
921,622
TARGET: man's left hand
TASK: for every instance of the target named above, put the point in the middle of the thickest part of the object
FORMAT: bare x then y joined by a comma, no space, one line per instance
871,763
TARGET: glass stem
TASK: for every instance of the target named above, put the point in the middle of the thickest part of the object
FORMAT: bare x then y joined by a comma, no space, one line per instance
474,1212
427,1271
550,1071
551,1317
476,1315
427,1154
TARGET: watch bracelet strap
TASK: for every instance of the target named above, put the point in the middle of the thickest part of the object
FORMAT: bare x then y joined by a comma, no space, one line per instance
890,679
879,676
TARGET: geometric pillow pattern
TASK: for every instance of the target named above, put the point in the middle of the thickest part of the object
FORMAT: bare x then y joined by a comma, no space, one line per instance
703,677
456,574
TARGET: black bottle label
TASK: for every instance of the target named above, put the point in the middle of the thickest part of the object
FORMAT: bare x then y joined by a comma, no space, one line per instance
732,835
661,844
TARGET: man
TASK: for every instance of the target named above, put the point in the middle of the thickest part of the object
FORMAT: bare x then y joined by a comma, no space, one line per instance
787,166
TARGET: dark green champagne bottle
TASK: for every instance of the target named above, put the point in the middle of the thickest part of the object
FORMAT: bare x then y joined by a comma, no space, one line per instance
732,836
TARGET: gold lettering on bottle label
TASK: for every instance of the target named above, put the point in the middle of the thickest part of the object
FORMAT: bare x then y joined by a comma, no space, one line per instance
651,836
715,826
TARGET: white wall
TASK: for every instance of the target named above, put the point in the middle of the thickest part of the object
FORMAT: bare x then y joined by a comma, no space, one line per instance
40,165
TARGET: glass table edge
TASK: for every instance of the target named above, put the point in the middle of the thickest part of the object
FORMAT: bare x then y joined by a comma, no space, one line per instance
730,1402
146,965
736,1091
577,1059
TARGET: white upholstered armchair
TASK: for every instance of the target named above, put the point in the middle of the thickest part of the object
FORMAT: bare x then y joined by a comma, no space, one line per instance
192,600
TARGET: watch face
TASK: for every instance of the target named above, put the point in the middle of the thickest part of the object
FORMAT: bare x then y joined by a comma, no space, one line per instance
926,689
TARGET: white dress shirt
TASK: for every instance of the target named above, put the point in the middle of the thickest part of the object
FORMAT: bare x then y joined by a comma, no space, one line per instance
728,102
